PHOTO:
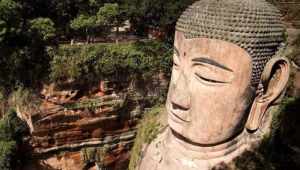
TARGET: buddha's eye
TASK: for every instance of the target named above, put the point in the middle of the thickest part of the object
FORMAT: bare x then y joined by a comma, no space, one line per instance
210,72
208,80
176,61
176,65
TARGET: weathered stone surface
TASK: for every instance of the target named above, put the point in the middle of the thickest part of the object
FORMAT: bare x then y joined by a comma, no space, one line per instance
71,124
290,11
293,52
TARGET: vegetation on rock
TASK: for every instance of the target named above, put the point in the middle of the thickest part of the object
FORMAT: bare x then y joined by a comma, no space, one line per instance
94,62
11,133
149,127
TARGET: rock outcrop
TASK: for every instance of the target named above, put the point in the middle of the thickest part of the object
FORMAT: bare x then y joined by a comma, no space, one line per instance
81,129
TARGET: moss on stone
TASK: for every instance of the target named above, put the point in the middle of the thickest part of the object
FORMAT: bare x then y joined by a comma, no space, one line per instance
148,129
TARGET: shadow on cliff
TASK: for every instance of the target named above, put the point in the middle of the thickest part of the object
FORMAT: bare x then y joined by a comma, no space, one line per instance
40,166
278,151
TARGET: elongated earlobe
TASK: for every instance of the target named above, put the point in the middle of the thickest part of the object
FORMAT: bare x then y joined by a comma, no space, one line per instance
273,82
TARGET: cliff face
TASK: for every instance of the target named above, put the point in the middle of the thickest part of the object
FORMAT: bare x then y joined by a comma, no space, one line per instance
290,11
81,128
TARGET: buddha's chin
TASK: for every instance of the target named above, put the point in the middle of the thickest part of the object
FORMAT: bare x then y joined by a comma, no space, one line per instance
179,131
175,125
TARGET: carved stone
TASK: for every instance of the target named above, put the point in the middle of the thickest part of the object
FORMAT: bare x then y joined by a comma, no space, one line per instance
226,76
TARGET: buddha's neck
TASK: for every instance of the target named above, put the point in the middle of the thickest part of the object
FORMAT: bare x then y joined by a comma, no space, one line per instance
206,152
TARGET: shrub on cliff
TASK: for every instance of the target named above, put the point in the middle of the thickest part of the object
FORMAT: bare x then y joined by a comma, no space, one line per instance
150,126
11,130
91,62
6,153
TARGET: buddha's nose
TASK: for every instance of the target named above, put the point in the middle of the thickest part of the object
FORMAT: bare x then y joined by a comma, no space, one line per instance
180,98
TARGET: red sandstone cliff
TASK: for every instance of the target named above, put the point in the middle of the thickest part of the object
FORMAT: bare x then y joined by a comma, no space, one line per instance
83,129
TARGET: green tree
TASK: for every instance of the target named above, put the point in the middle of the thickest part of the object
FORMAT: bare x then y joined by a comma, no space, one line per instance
43,27
110,16
22,50
9,19
85,23
107,17
158,14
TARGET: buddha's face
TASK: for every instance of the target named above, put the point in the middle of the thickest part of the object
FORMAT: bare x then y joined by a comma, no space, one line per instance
210,93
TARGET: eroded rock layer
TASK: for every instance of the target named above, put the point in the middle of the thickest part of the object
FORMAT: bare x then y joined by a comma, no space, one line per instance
86,128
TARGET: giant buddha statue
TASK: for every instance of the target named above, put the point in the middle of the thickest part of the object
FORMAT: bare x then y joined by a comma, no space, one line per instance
226,76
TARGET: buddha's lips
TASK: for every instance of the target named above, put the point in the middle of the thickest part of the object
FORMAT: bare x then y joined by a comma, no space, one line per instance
179,117
175,116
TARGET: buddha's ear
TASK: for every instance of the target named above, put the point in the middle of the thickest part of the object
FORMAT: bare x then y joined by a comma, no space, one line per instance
274,80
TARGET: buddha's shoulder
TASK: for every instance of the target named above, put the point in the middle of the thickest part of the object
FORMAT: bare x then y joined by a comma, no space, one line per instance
152,154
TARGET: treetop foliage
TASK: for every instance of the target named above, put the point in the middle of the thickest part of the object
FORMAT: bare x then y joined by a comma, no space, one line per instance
44,27
9,18
110,60
108,14
29,27
83,21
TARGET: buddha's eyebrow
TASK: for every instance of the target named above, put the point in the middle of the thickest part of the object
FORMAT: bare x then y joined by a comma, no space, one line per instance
176,51
211,62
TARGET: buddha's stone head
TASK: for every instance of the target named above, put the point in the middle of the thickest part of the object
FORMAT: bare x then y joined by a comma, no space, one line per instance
225,75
